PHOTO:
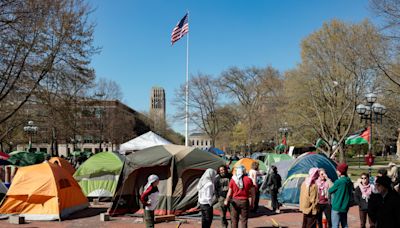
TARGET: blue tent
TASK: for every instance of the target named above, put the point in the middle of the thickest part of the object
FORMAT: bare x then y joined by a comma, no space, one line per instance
217,151
258,156
298,171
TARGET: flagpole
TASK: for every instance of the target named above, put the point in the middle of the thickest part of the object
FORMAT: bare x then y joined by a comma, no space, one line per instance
187,90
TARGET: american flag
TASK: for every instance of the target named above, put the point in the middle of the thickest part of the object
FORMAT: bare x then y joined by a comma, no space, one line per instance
180,29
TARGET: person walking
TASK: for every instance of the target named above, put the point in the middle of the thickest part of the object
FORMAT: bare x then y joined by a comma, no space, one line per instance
388,213
221,190
362,195
323,183
341,191
149,199
274,184
241,191
254,174
206,190
309,199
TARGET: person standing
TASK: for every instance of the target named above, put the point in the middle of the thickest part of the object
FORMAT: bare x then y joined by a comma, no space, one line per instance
341,191
221,190
362,195
206,189
149,199
241,191
388,213
274,183
253,174
323,183
309,199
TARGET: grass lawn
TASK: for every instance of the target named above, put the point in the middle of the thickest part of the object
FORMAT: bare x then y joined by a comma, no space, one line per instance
354,174
378,161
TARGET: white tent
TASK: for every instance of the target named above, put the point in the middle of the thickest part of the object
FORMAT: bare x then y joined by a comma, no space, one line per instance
144,141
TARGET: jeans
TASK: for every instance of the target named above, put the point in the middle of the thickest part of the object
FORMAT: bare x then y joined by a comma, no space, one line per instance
223,209
309,221
324,209
274,200
239,211
206,215
149,218
339,217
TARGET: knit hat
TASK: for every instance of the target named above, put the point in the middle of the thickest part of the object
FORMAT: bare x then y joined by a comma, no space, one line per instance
342,168
384,181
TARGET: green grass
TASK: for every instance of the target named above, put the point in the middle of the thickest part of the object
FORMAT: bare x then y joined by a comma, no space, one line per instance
355,173
378,161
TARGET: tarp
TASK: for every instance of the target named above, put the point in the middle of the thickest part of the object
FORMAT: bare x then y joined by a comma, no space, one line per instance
43,192
98,176
179,169
298,171
63,164
24,158
144,141
217,151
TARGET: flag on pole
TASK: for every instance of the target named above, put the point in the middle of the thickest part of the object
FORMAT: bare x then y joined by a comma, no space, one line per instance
180,29
360,137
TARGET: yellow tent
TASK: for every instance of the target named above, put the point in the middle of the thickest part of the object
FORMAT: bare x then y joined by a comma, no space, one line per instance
43,192
63,163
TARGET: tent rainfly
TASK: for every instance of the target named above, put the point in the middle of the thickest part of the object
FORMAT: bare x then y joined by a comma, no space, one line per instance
144,141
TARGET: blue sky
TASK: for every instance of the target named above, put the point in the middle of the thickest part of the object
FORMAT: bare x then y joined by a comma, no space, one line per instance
137,53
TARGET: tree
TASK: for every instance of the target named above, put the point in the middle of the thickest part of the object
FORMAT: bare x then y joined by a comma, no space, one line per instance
204,100
334,74
38,37
255,90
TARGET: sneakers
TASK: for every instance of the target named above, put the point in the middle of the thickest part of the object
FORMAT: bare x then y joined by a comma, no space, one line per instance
277,211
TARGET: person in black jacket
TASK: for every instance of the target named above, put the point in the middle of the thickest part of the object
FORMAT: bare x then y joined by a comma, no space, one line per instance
388,212
274,183
362,195
221,189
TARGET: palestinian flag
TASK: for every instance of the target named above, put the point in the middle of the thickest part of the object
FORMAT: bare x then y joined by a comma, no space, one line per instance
361,137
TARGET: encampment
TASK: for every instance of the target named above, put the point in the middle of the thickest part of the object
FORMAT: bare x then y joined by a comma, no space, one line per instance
43,192
272,158
144,141
98,176
23,158
179,169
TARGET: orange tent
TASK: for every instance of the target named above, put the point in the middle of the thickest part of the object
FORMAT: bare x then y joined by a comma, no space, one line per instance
43,192
246,162
63,163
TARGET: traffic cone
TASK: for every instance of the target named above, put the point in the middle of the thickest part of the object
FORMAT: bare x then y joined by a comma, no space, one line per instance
324,221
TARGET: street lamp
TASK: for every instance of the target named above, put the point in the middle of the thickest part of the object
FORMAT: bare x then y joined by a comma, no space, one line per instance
372,112
30,129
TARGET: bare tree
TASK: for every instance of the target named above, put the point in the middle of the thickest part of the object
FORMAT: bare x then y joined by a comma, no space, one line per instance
335,72
36,37
203,102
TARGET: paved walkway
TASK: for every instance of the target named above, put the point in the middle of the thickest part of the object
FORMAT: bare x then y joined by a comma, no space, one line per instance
289,217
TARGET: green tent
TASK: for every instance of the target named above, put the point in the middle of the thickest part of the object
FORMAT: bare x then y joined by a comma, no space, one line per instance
24,158
179,169
98,176
272,158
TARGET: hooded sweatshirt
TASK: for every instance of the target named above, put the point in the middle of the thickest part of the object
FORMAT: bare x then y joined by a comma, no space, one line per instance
341,191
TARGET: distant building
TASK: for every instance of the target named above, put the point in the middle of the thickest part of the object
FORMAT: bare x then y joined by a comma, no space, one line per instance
200,140
157,108
97,125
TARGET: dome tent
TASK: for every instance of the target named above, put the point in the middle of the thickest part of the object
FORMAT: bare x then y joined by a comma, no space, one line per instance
179,169
98,176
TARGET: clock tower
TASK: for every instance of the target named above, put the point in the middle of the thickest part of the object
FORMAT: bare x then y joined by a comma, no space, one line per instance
157,108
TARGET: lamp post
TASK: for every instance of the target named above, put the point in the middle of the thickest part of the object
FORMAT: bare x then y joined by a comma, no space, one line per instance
372,112
30,129
284,131
99,115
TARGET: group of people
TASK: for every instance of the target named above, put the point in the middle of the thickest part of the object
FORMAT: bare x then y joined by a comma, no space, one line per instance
319,197
237,193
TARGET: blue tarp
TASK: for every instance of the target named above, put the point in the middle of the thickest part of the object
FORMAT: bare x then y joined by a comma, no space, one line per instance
217,151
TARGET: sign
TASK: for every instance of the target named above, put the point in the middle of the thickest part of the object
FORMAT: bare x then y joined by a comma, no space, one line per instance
291,149
369,159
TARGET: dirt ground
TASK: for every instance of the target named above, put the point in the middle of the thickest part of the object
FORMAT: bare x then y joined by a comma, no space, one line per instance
289,217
